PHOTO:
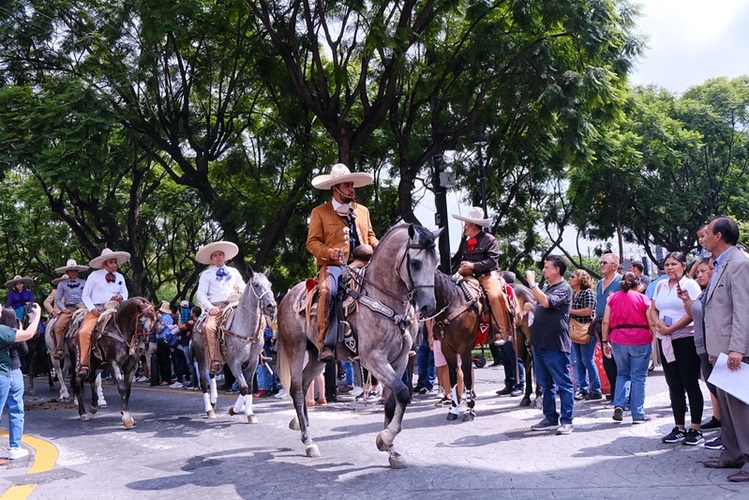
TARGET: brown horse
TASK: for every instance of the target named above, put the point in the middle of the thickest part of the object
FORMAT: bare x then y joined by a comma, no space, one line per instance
522,341
117,346
398,285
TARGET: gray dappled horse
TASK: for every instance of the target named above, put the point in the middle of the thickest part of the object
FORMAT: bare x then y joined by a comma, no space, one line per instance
244,342
117,348
398,285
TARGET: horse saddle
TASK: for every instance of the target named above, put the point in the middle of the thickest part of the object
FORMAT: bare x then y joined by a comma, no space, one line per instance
473,293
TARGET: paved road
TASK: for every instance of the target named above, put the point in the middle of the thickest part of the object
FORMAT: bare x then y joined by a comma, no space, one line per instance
175,451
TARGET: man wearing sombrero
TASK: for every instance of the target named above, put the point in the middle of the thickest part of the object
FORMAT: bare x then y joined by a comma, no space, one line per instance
69,296
216,285
480,260
336,229
49,302
19,295
102,286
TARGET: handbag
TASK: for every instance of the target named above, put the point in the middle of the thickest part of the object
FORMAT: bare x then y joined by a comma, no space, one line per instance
579,332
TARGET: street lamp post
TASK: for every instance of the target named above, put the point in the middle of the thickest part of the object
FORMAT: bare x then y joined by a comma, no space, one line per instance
480,141
440,218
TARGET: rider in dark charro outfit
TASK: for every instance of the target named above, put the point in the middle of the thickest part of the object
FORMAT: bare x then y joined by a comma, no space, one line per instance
480,259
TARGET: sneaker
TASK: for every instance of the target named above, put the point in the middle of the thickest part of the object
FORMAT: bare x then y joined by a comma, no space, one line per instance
141,379
504,392
694,437
674,436
356,392
16,453
423,390
713,423
444,402
715,444
593,396
579,396
280,394
565,429
176,385
641,420
516,393
544,425
618,414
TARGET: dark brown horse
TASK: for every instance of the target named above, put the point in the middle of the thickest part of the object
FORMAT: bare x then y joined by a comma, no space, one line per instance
522,341
36,358
117,347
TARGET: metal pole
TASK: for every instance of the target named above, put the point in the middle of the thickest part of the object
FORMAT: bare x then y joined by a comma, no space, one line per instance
482,166
440,218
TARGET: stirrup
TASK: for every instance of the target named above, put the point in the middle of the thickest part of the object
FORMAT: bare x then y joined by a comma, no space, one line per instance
59,354
215,367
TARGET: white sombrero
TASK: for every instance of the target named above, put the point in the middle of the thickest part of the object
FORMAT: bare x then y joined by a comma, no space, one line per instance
19,279
340,173
59,280
166,307
72,265
106,254
475,215
204,253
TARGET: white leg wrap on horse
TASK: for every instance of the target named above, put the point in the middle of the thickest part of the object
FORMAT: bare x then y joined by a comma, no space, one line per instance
248,404
239,404
207,402
214,391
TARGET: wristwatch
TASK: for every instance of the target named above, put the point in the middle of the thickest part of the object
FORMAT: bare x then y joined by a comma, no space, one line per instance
532,285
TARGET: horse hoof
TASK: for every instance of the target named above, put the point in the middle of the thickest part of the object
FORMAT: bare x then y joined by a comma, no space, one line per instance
312,451
231,411
381,444
211,414
397,462
468,416
525,402
85,418
294,424
252,419
128,422
451,416
537,403
93,409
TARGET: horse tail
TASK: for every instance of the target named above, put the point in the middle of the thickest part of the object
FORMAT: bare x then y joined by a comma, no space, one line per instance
283,366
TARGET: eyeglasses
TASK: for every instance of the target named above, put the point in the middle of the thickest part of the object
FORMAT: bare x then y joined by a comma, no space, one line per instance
604,263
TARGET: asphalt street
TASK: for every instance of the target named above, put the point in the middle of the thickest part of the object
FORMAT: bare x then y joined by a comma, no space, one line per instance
174,451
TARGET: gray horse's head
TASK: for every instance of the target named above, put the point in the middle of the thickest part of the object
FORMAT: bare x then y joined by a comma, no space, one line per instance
417,268
263,291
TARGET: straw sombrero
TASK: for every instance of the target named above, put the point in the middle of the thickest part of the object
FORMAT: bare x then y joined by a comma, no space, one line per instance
106,254
19,279
59,280
165,307
475,215
72,265
204,253
340,173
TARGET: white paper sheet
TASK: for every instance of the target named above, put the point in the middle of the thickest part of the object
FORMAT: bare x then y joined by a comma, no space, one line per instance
735,383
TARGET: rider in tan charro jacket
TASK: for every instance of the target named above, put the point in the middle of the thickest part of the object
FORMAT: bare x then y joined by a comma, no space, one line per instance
336,229
216,285
480,260
102,286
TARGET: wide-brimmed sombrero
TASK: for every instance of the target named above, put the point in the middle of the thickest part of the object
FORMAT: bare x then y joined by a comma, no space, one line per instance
340,173
475,215
59,280
72,265
19,279
204,253
106,254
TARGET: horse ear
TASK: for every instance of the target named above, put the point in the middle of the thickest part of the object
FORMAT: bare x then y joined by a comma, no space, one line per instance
437,232
266,271
251,271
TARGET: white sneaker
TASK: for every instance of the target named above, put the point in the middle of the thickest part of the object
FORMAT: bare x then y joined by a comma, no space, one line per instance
16,453
141,379
177,385
280,394
356,392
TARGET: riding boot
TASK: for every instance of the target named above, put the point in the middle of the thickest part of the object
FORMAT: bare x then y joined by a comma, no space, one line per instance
324,308
84,342
58,345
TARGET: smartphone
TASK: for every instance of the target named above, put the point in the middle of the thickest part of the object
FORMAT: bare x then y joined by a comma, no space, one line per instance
668,320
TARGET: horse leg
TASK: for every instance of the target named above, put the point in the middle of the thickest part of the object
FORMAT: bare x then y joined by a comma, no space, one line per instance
467,368
95,384
100,392
124,382
452,368
77,385
244,400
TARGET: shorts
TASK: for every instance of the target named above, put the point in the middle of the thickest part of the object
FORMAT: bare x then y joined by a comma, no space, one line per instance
439,358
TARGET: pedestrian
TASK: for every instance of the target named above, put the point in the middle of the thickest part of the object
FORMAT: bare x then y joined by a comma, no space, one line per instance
726,309
551,344
607,285
582,313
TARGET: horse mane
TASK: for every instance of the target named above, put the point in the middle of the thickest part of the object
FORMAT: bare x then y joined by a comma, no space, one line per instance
446,291
424,235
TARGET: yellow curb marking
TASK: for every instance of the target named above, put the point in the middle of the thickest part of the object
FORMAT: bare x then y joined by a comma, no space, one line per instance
45,457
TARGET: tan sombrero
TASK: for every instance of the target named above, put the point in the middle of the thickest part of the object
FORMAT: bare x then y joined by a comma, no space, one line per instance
204,253
340,173
106,254
166,307
59,280
475,215
72,265
19,279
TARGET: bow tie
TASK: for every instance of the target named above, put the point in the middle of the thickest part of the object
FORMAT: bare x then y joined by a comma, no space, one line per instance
110,277
222,273
471,244
76,284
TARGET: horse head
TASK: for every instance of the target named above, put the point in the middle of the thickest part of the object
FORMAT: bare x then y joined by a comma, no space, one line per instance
262,291
136,316
417,267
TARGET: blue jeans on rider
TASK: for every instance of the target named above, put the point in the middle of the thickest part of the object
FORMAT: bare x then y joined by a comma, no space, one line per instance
632,363
584,366
507,355
553,374
11,394
425,369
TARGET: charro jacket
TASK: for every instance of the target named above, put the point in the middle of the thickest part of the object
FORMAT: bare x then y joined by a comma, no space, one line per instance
484,256
327,230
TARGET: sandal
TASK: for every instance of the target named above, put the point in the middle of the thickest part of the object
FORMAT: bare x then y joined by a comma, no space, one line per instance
321,401
311,402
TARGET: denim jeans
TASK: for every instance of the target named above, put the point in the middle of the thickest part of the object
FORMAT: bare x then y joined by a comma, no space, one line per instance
632,362
11,392
348,370
507,357
586,372
425,366
553,373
